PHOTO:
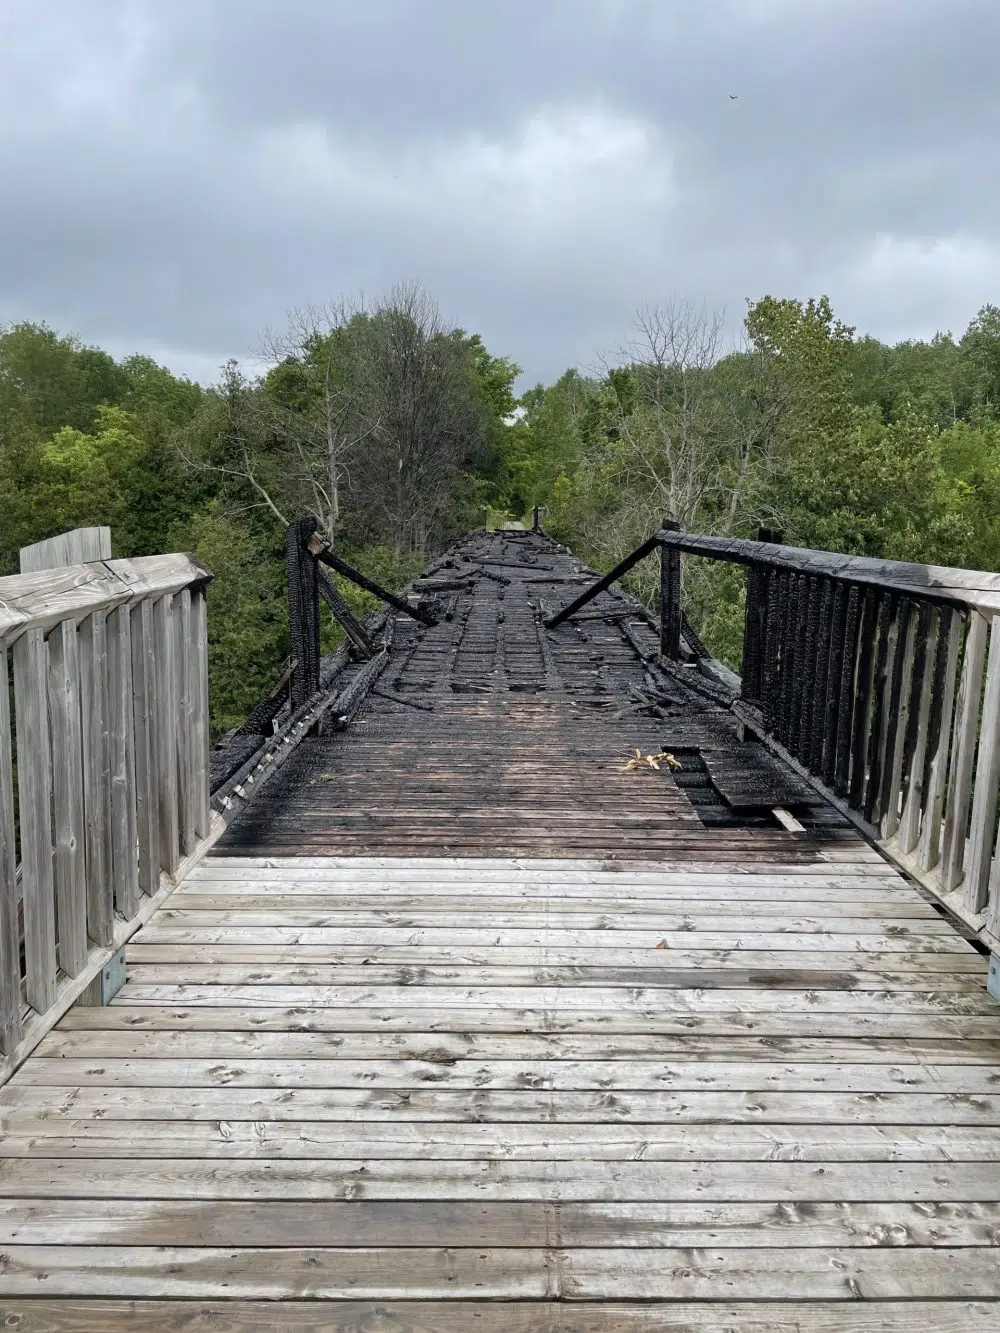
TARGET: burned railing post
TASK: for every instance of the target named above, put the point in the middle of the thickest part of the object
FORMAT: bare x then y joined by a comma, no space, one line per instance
303,610
670,595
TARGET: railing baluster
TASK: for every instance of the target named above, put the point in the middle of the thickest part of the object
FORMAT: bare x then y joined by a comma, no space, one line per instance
773,623
820,716
96,777
34,786
838,633
802,697
166,732
966,731
10,945
124,846
881,706
902,670
69,864
186,709
845,703
916,750
939,737
862,695
984,801
788,643
198,665
146,774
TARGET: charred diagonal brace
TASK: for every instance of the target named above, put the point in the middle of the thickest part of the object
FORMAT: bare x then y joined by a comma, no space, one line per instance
343,614
623,567
319,549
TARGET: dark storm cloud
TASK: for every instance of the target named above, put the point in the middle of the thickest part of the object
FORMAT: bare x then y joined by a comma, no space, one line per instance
176,175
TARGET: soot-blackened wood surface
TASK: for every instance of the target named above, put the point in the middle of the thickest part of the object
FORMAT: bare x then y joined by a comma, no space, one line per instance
663,1066
489,734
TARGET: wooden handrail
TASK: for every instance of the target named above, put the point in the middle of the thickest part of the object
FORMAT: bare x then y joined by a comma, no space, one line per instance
111,719
934,583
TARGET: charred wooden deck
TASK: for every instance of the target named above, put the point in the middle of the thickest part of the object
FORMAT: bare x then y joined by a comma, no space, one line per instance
465,1028
488,735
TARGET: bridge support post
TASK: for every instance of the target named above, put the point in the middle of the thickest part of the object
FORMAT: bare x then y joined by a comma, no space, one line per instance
303,610
670,595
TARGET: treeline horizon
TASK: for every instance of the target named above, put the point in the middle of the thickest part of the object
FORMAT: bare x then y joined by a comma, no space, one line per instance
399,433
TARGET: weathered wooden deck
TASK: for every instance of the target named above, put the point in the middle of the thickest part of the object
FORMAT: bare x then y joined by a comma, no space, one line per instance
461,1027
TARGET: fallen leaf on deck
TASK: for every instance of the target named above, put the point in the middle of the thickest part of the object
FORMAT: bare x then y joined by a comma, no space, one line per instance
663,945
640,760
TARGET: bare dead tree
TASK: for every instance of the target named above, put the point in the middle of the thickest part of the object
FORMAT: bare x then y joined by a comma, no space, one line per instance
322,433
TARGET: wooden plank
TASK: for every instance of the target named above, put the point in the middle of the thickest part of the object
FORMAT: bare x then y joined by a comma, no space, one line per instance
165,733
274,1017
783,936
626,1075
34,772
457,1162
371,972
982,826
72,1041
966,732
96,758
10,943
121,749
69,841
491,999
485,1273
367,1148
518,1224
29,1110
144,704
35,1315
908,969
519,909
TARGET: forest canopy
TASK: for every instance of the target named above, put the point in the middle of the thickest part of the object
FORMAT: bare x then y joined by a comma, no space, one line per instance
398,433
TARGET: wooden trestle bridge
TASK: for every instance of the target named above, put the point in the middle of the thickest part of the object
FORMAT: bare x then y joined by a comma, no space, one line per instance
516,968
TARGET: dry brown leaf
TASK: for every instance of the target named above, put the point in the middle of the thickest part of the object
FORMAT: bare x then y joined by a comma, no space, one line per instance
663,945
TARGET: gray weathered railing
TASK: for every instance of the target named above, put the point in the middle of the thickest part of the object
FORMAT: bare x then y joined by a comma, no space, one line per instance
881,680
110,714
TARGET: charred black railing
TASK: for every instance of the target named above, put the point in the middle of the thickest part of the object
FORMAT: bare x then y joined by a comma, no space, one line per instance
873,677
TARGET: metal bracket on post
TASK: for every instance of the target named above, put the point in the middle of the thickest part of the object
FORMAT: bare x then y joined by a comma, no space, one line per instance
670,595
106,985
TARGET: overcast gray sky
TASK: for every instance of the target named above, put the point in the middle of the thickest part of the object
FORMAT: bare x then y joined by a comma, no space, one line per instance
177,174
